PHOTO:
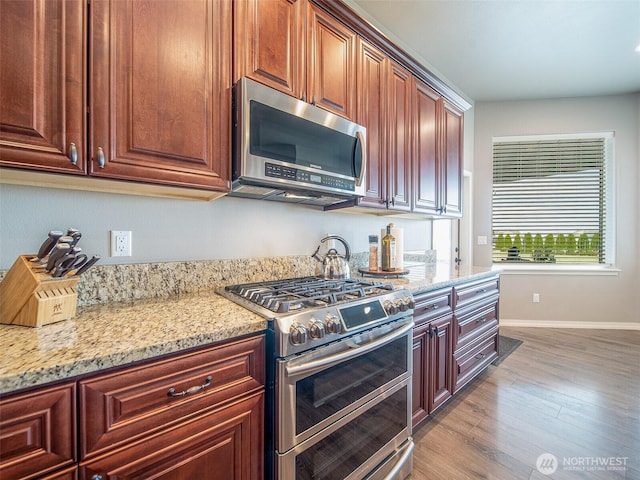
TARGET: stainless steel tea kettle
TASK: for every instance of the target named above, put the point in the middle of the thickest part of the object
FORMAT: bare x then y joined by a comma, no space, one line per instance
333,265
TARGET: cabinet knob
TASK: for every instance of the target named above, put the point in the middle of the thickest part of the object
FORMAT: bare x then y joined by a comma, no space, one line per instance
73,153
97,477
101,158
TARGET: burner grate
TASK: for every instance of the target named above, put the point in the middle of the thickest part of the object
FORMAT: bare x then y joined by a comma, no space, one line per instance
282,296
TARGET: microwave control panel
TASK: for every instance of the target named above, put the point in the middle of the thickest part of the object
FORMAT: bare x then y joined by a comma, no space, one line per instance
297,175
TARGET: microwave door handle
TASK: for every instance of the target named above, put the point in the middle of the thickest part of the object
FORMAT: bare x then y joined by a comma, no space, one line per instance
310,368
363,149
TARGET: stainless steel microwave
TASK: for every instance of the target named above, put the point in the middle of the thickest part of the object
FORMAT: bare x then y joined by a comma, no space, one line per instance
289,150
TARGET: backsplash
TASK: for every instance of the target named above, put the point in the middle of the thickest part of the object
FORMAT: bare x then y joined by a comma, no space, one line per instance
116,283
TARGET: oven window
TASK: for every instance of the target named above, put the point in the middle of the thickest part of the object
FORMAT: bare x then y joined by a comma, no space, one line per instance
281,136
329,391
338,455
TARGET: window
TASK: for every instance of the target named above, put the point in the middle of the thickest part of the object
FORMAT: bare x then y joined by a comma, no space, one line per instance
550,199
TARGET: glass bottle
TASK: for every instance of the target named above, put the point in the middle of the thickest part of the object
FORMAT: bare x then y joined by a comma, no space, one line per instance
388,251
373,253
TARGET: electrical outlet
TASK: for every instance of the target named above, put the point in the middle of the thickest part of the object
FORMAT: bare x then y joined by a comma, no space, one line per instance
120,243
536,298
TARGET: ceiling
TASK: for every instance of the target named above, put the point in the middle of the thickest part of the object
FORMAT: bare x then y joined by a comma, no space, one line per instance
518,49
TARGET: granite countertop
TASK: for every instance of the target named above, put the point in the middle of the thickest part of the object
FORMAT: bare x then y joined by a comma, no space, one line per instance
103,336
120,333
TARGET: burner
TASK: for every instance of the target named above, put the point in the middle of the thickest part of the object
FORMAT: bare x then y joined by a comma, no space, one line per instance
282,296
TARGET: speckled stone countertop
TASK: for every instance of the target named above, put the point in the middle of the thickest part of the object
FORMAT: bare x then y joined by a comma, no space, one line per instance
103,336
130,326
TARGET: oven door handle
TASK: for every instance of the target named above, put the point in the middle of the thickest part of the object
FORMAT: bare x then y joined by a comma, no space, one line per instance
405,457
356,350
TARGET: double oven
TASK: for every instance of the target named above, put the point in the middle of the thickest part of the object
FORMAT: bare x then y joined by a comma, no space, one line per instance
339,377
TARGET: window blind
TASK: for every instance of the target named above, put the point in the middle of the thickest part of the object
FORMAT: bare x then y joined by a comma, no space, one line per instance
549,200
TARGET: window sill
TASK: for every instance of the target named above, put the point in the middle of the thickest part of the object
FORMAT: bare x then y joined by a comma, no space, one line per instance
543,269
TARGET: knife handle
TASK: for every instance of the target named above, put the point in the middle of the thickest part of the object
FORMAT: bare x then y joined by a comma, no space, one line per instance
48,244
58,252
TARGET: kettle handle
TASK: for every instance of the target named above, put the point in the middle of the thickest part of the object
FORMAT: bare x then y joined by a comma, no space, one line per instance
347,254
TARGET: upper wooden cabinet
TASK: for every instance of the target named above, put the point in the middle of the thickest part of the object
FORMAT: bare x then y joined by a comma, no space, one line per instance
269,43
297,48
42,85
331,64
452,159
372,113
437,161
399,138
160,91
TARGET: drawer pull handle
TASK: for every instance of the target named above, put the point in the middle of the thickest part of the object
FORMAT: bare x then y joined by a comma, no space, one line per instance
433,307
481,320
190,390
480,356
482,290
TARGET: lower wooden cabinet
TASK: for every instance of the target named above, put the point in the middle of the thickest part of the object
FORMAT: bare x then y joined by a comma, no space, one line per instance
452,345
38,433
225,444
191,415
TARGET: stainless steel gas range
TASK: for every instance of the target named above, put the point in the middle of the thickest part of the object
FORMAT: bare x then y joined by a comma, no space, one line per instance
339,377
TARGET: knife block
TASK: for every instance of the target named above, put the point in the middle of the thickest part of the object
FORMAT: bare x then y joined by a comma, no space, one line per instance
33,298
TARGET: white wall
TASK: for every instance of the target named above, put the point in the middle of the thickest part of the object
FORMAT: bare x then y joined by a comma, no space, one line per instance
173,230
572,298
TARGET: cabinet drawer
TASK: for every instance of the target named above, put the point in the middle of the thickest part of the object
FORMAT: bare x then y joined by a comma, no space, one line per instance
473,322
432,305
469,293
474,360
125,404
38,432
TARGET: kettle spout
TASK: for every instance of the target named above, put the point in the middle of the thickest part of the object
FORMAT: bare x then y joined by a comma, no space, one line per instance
316,254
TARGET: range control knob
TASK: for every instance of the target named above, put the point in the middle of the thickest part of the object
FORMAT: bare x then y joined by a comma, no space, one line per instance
401,305
316,329
390,307
409,302
332,324
297,334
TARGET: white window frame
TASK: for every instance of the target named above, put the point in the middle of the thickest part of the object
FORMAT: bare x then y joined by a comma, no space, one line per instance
608,268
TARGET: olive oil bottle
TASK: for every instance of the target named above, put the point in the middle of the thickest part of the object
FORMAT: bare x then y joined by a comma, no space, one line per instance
388,251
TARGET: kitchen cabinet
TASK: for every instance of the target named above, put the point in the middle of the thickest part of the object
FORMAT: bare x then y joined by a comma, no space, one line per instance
399,139
38,433
437,164
177,417
159,90
269,43
42,86
432,352
297,48
181,416
476,314
331,64
372,114
455,338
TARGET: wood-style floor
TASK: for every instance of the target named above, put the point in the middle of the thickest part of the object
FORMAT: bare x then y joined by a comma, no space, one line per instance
574,394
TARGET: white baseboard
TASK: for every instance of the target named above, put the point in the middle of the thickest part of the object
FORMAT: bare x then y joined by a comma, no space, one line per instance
506,322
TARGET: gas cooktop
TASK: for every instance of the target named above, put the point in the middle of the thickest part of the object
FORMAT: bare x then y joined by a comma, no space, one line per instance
295,294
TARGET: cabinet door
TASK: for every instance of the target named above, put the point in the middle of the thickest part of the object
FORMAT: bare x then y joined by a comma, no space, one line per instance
441,362
223,445
420,373
331,60
399,139
160,91
452,161
426,168
372,76
38,432
42,85
270,43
